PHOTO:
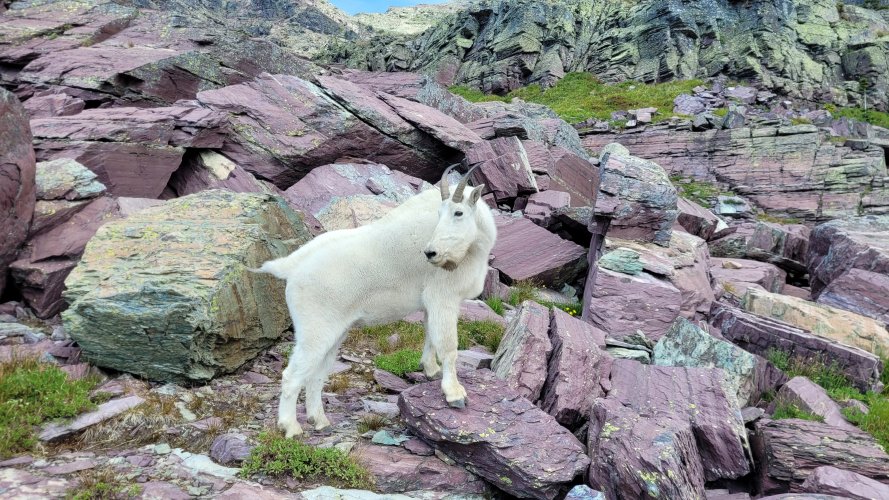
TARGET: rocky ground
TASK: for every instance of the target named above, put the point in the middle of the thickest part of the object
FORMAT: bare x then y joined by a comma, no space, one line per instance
682,303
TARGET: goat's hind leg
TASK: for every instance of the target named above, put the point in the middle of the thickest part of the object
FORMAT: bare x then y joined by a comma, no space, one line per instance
292,383
314,402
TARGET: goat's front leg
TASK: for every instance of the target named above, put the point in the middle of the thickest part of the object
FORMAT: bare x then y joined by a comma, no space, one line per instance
428,362
442,333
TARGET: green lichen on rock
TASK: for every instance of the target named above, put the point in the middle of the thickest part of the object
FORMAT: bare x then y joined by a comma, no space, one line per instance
622,260
167,293
65,178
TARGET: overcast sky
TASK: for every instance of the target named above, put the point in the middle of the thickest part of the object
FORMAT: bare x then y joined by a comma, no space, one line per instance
356,6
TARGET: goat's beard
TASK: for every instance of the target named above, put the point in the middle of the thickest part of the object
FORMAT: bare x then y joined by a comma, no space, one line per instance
449,265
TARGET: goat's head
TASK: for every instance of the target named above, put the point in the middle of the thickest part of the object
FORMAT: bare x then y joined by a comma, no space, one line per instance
457,225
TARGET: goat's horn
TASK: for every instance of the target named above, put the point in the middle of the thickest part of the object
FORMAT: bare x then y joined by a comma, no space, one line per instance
443,185
458,193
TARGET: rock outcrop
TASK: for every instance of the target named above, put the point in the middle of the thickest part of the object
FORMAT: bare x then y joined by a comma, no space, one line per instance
523,355
188,309
844,483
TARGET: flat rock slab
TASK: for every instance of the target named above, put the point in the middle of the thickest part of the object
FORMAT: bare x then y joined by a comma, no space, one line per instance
522,356
811,397
742,273
525,250
499,435
844,483
187,308
782,245
105,411
396,470
789,450
843,326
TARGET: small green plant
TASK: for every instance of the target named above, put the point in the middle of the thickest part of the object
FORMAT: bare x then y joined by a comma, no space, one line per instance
701,192
829,376
338,383
876,421
496,304
278,456
785,410
723,112
799,120
572,308
399,362
371,422
521,291
730,288
31,393
778,220
871,116
484,333
103,484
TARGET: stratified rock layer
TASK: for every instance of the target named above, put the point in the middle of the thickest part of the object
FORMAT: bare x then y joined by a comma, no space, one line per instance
188,308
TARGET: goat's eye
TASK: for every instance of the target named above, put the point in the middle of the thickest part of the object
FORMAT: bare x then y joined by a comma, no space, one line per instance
458,213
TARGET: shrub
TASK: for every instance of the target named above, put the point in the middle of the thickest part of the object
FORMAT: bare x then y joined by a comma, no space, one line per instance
871,116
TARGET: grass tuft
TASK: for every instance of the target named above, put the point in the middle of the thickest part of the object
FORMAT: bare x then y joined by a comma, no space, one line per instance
371,422
778,220
31,393
701,192
411,337
399,362
103,484
784,410
278,456
338,383
483,333
521,291
496,305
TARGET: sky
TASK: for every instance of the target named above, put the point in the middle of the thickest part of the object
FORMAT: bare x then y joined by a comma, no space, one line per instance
356,6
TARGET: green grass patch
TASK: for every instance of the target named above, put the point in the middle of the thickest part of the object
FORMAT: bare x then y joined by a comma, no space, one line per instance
876,421
580,96
871,116
496,305
799,120
399,362
483,333
572,308
103,484
411,337
723,112
701,192
31,393
521,291
277,456
778,220
785,410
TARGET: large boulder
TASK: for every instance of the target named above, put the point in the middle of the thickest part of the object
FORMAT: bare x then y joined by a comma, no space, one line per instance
687,345
848,261
844,483
499,435
502,166
638,196
837,324
188,309
782,245
736,275
811,397
789,450
17,173
759,335
207,169
697,220
522,356
526,251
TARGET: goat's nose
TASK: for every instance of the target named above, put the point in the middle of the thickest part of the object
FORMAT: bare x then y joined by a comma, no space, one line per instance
430,253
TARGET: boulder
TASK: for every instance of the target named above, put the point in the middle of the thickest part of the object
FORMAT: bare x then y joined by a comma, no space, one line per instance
759,335
638,196
782,245
838,248
844,483
574,174
188,309
742,273
396,470
502,166
689,105
521,359
321,194
621,305
499,435
231,448
576,365
811,397
66,179
789,450
687,345
698,221
526,251
46,106
541,205
842,326
17,173
584,492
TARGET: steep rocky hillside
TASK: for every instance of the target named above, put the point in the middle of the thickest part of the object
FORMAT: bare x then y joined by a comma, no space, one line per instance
821,49
411,20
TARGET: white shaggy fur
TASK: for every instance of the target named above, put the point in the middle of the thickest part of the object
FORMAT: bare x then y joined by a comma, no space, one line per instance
426,254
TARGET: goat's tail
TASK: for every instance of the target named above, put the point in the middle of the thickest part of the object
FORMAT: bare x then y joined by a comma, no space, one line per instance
277,268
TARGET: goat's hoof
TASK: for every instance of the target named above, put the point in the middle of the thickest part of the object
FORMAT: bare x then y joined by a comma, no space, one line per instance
321,423
290,430
459,403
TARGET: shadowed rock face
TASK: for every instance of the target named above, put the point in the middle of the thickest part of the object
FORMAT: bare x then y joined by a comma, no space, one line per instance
499,46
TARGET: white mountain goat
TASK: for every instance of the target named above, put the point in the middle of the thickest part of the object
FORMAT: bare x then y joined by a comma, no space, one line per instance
427,254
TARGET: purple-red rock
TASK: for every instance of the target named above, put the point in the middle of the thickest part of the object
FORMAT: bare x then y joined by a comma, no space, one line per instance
857,244
230,448
449,131
389,381
17,174
845,483
575,367
522,357
741,273
697,220
502,166
525,250
811,397
499,435
53,431
789,450
758,334
574,175
47,106
541,206
782,245
396,470
210,170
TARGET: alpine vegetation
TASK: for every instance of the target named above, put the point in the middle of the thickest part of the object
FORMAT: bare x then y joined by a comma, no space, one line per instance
427,254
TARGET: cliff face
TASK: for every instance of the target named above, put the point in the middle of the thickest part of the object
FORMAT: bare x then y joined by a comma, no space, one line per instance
814,49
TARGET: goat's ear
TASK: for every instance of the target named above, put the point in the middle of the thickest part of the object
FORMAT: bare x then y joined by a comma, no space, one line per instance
476,194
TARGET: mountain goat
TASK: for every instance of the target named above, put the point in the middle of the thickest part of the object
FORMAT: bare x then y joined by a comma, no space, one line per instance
427,254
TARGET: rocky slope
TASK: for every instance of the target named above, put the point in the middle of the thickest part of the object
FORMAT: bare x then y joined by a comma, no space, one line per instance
814,49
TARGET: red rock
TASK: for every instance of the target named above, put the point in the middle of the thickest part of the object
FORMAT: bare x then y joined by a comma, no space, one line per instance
166,491
522,357
230,448
782,245
697,220
541,205
502,167
473,360
418,447
17,173
524,251
51,105
396,470
77,372
741,273
432,121
242,491
758,335
577,348
390,382
811,397
42,284
575,175
789,450
846,484
210,170
860,291
71,467
528,454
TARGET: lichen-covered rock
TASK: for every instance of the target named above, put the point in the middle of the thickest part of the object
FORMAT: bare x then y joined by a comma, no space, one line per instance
525,251
758,334
575,369
188,309
848,261
522,357
742,273
789,450
17,172
782,245
65,179
396,470
687,345
844,483
499,435
843,326
811,397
